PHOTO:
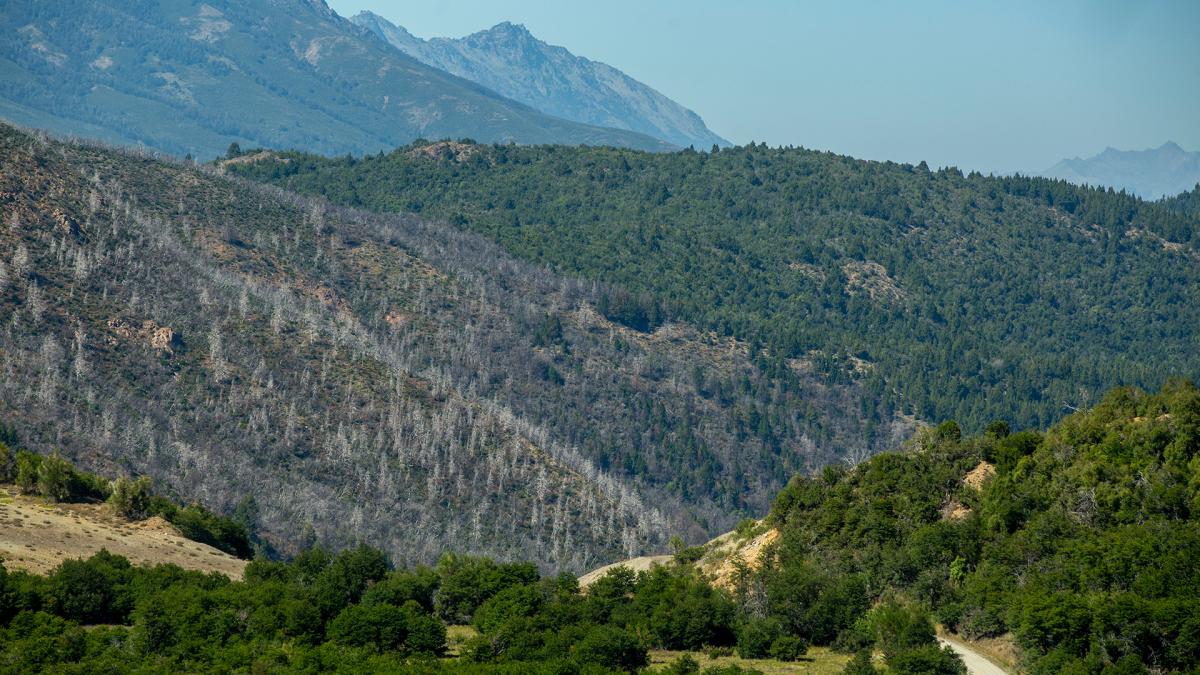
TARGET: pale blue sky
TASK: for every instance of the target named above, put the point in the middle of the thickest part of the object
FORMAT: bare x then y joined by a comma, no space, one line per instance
1011,85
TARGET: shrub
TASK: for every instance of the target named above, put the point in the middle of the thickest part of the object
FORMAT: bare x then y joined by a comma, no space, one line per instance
131,497
8,470
927,660
199,524
856,638
517,601
27,466
978,622
861,664
731,669
467,582
1046,621
684,613
399,587
756,636
684,665
92,590
901,627
54,478
789,648
611,647
718,652
389,628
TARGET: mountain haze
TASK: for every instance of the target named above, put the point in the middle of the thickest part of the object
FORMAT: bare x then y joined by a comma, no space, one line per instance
1151,174
195,77
508,59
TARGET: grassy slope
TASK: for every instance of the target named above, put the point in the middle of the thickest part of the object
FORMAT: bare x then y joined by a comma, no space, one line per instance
36,536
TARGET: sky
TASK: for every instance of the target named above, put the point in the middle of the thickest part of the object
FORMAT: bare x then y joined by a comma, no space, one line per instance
995,86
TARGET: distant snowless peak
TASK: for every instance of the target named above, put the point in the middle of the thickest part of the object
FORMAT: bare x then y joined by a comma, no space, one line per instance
511,61
1151,174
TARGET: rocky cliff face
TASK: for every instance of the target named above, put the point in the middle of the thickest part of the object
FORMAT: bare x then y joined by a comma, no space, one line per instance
508,59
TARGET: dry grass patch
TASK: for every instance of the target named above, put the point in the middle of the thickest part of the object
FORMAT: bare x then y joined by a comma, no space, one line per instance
66,531
819,661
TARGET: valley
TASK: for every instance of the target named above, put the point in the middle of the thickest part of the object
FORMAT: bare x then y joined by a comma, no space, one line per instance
329,348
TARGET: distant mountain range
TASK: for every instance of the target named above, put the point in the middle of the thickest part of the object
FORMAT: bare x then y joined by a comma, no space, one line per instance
195,77
509,60
1151,174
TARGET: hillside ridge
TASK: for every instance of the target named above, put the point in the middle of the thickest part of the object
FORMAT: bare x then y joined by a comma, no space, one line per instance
192,79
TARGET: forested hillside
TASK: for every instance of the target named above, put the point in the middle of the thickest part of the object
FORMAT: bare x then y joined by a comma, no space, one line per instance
1083,541
1081,545
371,378
947,296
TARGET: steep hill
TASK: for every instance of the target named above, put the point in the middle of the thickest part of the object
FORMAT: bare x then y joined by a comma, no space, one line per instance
508,59
184,77
943,296
380,378
1151,174
1083,542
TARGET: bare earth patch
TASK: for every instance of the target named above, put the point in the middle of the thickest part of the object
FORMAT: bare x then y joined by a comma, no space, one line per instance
635,564
873,279
980,474
728,553
720,564
36,536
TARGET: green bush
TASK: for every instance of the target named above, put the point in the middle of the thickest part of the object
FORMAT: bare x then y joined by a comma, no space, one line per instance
731,669
468,582
861,664
27,469
678,610
199,524
755,637
901,626
684,665
1046,621
93,590
977,623
399,587
927,660
407,629
611,647
510,603
54,478
8,469
788,648
131,497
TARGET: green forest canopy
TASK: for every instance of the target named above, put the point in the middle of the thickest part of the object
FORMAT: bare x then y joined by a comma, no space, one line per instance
973,298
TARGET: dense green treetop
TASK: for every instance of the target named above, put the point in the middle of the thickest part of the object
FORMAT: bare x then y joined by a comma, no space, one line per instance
1084,541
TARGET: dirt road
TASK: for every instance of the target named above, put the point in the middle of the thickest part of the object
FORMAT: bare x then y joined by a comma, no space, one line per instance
977,664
